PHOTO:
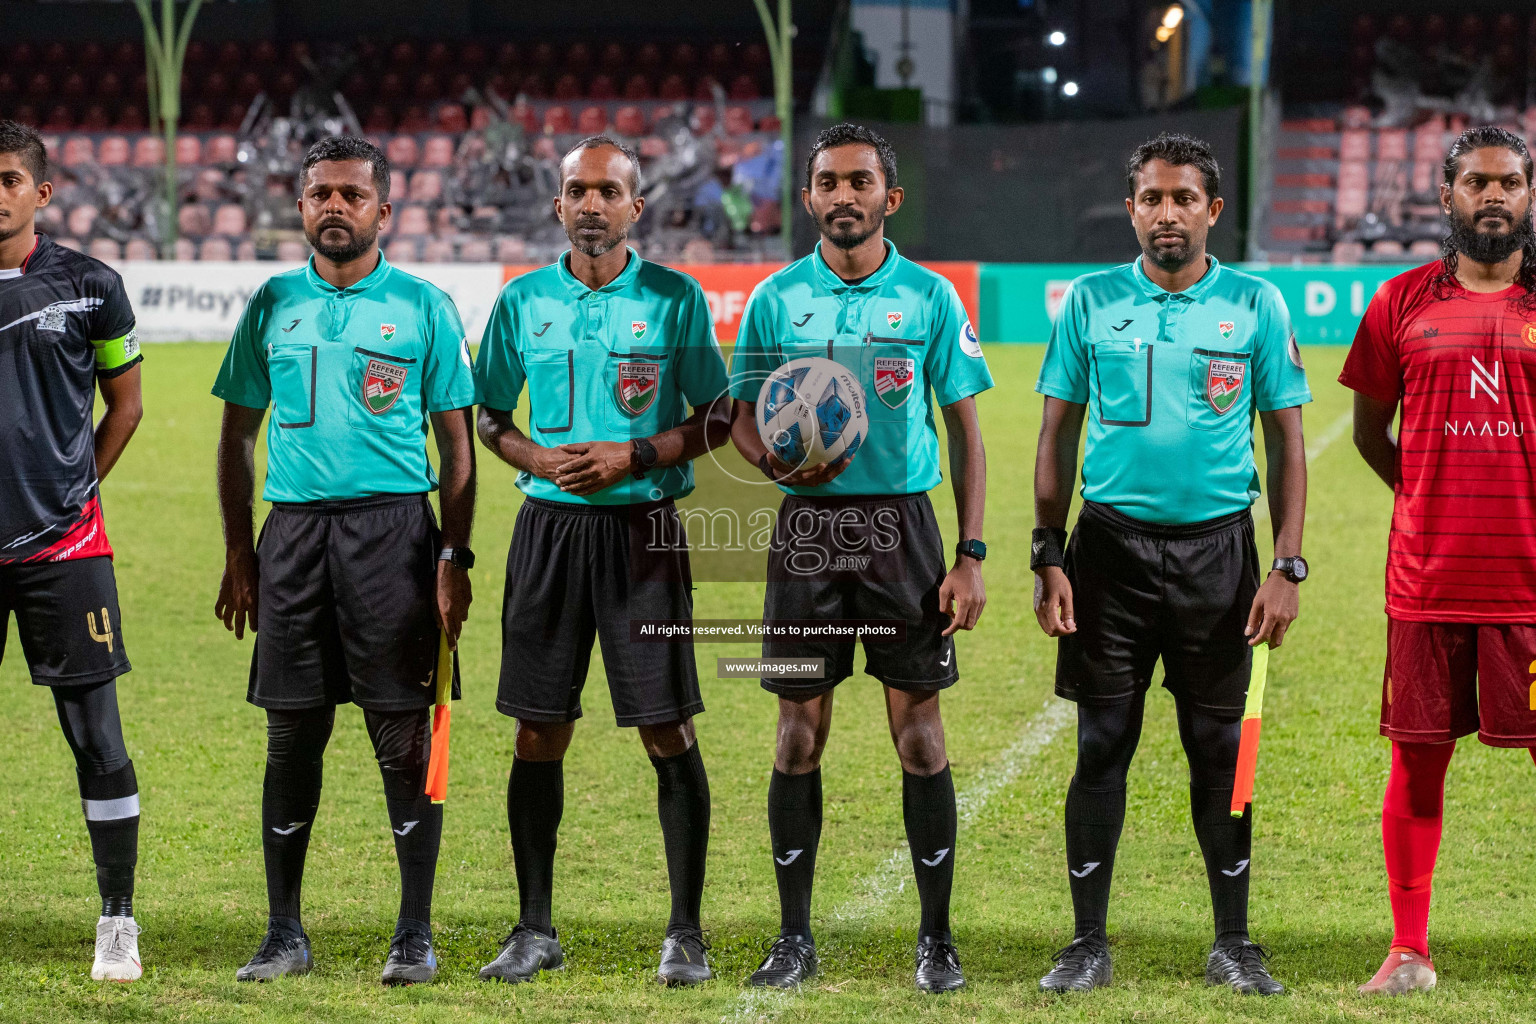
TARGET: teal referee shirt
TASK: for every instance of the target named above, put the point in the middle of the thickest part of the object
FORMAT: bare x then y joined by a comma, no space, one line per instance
1172,381
902,331
622,362
350,374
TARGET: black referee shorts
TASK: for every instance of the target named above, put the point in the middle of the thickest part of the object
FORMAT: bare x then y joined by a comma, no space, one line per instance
68,619
347,605
860,558
1141,591
576,572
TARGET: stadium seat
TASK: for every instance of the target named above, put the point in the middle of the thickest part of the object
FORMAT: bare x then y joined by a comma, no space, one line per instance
702,121
557,120
475,250
245,251
413,222
391,86
438,152
1424,177
738,121
684,57
473,56
193,220
426,187
1348,252
754,55
602,88
704,88
109,85
437,56
673,88
73,86
451,119
1355,146
129,119
1392,144
648,57
744,89
507,56
113,151
214,86
291,250
401,250
229,219
629,121
427,88
567,87
637,87
233,117
480,118
149,151
533,87
593,120
60,119
221,149
379,119
189,150
1357,117
95,119
414,119
70,243
527,117
104,249
653,147
248,86
402,151
1425,247
717,57
78,149
230,55
511,249
437,250
264,52
140,249
613,58
771,124
399,184
185,249
578,59
199,119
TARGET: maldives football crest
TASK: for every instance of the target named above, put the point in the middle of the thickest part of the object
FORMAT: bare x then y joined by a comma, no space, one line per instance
636,388
386,332
893,321
381,385
1226,327
1223,383
637,328
893,380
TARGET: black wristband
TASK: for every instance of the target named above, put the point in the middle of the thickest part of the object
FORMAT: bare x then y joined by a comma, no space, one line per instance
1047,547
767,467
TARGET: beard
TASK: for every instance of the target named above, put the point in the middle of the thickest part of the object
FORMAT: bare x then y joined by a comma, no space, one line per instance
1487,246
862,228
1170,257
595,247
356,244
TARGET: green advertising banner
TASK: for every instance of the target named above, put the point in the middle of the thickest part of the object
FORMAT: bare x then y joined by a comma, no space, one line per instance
1019,300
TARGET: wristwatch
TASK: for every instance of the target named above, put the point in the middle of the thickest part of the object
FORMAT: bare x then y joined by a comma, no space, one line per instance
643,459
459,558
972,549
1295,569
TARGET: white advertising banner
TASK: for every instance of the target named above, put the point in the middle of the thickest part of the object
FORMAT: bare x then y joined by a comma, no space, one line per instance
177,301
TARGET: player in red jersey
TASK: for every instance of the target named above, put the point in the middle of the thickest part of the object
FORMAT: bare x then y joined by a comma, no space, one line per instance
1455,343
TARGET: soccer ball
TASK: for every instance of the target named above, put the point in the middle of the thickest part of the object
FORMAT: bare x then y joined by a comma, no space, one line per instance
812,412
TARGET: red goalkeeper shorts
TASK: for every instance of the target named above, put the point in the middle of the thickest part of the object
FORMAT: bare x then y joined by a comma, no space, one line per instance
1445,680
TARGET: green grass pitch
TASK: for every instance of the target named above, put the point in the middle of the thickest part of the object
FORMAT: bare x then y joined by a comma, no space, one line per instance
1319,897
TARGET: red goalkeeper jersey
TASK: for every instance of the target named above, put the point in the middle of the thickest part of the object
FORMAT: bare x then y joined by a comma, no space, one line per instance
1463,540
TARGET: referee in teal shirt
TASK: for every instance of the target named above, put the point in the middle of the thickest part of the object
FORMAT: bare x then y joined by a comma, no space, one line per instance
624,383
352,581
1169,357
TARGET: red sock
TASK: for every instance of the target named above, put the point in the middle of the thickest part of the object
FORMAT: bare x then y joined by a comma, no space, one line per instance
1410,835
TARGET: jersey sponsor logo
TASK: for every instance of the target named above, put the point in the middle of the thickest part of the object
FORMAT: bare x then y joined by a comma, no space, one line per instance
893,380
893,321
103,635
968,343
1488,381
382,384
1226,327
636,387
1223,383
386,332
1528,336
51,316
637,328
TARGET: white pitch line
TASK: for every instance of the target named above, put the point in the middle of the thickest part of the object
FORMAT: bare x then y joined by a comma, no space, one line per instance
874,890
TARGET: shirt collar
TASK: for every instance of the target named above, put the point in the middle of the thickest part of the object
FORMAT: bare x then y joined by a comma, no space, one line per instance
320,284
1194,293
575,286
837,285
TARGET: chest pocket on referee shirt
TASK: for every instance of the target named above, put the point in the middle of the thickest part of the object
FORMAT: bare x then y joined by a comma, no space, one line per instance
1122,380
551,390
1220,390
292,369
381,386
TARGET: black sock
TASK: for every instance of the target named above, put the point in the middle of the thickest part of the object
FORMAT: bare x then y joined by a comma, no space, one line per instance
682,802
794,828
290,796
1094,821
928,807
1226,843
418,827
535,801
111,805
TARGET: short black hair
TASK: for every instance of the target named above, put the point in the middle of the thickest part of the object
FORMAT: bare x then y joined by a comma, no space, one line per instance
22,139
1483,136
349,147
1180,150
846,134
598,142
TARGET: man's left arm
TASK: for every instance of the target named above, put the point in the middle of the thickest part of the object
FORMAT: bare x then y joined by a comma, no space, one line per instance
123,396
1278,601
963,595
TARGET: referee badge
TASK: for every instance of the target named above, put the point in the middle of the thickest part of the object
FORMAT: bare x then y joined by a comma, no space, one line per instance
636,387
893,380
381,385
1223,383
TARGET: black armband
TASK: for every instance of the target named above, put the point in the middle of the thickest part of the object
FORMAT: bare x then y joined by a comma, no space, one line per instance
1047,546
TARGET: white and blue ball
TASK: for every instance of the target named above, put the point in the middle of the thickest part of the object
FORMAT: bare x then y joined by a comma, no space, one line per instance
812,412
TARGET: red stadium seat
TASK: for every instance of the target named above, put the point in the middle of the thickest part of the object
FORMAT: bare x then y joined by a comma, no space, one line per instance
149,151
629,121
511,249
402,151
1425,176
426,187
437,250
184,250
402,250
475,250
450,118
248,86
1355,145
245,250
403,54
459,83
109,85
189,150
602,88
78,149
427,88
543,56
1357,117
264,52
81,221
197,54
208,186
140,249
613,57
480,118
507,56
88,55
73,86
214,86
95,119
283,85
702,120
744,89
438,151
653,147
1348,252
40,86
1387,247
221,149
399,186
673,88
291,250
230,55
437,56
229,219
685,57
1429,143
104,249
1392,144
593,121
557,121
637,87
738,121
567,87
648,57
379,119
717,57
59,119
473,56
704,88
754,55
113,151
578,58
771,123
129,119
525,115
234,117
1424,248
298,52
391,86
199,118
413,222
414,120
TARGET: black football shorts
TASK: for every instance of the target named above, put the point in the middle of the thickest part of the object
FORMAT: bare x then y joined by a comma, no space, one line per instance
346,611
860,558
1141,591
67,617
578,572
